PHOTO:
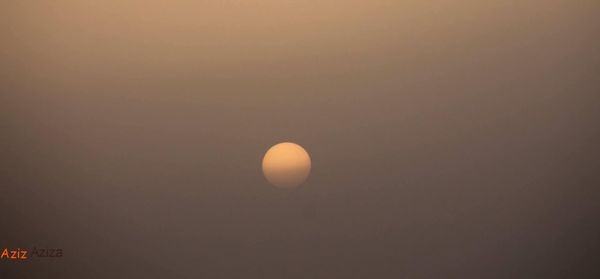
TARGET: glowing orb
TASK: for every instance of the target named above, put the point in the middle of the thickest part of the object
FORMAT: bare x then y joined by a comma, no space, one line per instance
286,165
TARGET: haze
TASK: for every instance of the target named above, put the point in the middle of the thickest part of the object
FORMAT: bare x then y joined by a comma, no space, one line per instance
449,139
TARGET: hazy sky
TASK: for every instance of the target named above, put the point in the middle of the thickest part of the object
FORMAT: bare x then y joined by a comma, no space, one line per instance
449,139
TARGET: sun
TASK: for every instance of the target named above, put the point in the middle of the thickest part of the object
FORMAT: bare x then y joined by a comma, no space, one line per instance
286,165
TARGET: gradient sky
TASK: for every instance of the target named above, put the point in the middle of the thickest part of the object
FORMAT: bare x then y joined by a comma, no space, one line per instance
449,139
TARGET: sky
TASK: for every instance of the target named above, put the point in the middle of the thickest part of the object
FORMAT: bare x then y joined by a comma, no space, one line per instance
449,139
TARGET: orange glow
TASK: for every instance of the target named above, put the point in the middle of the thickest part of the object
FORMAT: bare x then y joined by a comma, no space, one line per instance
286,165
